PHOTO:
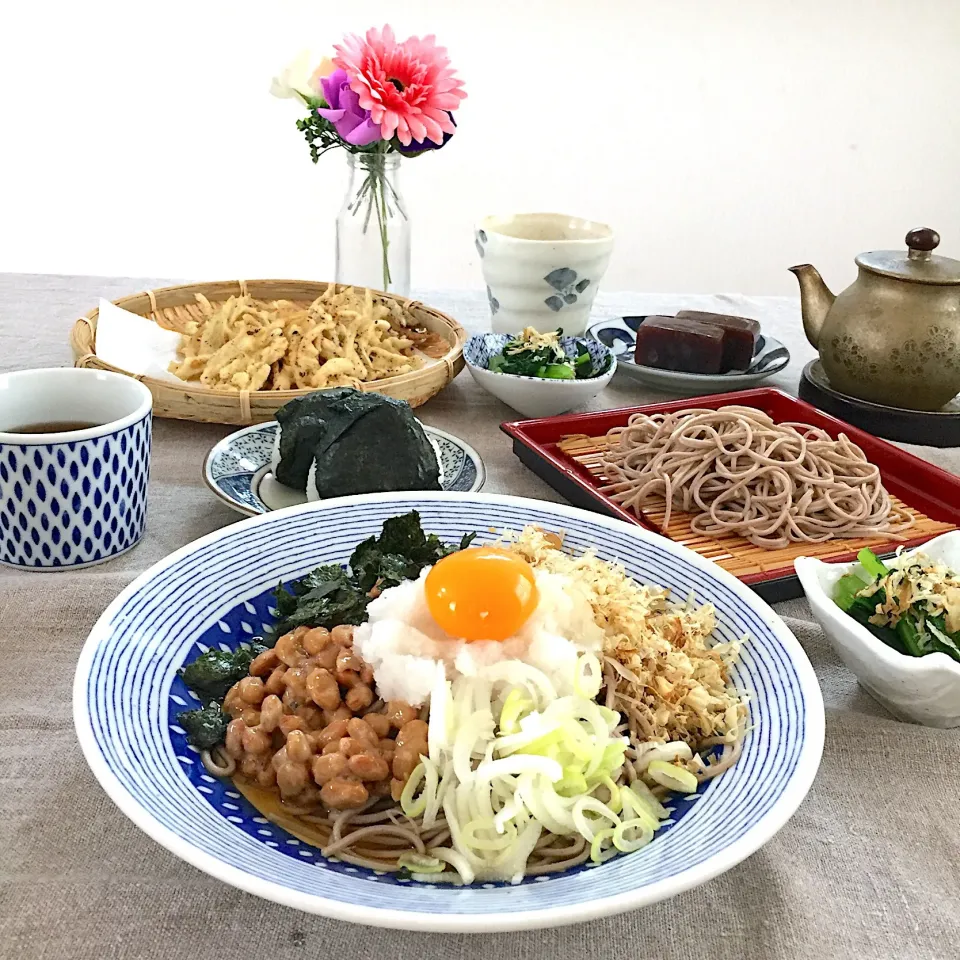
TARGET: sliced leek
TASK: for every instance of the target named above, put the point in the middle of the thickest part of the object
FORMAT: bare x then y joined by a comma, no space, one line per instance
672,777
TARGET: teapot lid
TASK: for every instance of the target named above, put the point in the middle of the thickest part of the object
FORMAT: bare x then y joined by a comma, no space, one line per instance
918,264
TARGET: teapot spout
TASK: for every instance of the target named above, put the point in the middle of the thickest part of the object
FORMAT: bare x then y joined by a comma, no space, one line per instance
815,300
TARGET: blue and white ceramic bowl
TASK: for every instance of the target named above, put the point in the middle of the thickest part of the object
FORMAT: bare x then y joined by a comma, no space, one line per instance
217,592
72,497
536,396
239,472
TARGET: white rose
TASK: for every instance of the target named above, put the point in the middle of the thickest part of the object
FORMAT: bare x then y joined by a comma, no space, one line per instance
296,81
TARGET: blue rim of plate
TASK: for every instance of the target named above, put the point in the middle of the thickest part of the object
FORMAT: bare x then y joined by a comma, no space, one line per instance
216,588
234,467
769,354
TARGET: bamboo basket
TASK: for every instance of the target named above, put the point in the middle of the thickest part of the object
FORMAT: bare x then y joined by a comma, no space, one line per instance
735,553
172,307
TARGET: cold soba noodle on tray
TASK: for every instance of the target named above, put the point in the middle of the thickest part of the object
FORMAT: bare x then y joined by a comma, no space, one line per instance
471,713
737,471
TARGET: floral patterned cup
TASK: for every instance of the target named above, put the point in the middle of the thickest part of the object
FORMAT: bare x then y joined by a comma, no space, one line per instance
74,465
542,270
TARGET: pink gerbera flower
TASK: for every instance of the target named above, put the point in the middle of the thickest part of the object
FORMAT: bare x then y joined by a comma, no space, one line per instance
409,88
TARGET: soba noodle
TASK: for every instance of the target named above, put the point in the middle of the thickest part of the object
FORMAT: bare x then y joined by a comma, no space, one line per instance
739,472
665,687
377,835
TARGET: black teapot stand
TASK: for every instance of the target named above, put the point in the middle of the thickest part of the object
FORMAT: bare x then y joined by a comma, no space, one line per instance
939,428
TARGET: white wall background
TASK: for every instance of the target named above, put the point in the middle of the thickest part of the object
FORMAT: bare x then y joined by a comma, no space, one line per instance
723,139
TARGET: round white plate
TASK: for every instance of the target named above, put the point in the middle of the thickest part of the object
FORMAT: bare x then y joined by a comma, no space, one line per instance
238,470
218,592
620,336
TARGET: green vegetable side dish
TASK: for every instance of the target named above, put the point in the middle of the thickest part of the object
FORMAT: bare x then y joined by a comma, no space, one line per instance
912,605
325,597
541,355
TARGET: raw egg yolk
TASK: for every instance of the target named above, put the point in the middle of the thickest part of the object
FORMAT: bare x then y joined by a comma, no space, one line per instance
482,593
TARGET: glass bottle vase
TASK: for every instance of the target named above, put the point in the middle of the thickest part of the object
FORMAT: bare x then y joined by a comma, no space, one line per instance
373,228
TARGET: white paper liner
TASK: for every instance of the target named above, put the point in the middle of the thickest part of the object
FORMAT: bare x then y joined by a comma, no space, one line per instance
135,344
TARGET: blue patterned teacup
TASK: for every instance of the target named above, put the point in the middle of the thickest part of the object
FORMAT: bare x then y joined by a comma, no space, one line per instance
542,270
74,465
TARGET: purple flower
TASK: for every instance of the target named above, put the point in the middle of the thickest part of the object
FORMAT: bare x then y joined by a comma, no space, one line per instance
349,119
414,149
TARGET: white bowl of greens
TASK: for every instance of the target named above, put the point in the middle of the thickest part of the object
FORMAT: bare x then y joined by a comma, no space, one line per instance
895,623
539,374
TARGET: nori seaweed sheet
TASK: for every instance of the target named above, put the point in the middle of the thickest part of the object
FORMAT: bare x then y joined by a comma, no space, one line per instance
302,427
363,443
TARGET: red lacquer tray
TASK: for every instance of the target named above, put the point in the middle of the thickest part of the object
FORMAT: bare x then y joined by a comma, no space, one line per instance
565,451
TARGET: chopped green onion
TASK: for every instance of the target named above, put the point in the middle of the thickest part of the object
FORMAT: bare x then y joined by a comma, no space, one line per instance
514,706
517,764
674,750
573,784
518,760
413,808
441,708
638,799
472,838
600,839
615,803
612,756
672,777
626,845
584,823
418,863
610,716
435,789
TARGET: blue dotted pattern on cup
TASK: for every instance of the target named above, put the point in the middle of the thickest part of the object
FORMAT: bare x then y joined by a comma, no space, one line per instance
219,594
77,502
232,467
482,346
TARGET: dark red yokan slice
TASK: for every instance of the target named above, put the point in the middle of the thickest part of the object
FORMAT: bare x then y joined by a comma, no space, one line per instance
739,336
672,343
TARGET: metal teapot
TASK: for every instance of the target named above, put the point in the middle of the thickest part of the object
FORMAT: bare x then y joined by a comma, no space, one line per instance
893,336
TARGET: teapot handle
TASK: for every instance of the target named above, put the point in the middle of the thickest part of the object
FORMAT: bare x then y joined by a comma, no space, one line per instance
921,241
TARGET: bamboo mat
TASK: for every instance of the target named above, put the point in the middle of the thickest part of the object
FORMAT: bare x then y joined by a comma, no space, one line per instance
735,553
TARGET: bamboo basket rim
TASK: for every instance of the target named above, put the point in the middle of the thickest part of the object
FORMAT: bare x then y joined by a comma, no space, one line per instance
83,337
